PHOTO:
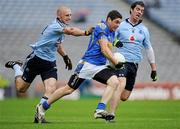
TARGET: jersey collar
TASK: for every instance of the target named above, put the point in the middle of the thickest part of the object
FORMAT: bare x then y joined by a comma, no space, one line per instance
61,22
127,20
107,27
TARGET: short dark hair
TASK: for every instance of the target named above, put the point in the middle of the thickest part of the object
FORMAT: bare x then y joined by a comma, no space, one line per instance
113,15
133,5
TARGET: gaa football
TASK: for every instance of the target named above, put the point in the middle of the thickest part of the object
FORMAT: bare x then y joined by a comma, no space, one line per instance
119,57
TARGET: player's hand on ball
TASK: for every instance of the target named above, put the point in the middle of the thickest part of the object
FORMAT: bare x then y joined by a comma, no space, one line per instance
119,65
154,75
89,31
68,63
117,43
120,59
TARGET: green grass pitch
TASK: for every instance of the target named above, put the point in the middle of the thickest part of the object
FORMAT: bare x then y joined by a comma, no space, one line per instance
66,114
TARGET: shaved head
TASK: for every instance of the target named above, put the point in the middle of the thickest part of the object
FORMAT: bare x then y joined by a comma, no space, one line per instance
62,9
64,14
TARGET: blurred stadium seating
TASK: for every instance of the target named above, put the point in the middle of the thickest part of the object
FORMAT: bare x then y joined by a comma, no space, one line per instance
21,22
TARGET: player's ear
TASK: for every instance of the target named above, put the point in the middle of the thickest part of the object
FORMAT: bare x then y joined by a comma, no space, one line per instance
109,19
130,11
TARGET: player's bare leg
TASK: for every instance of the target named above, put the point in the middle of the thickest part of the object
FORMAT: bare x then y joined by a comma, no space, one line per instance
115,102
50,87
21,85
59,93
116,99
112,84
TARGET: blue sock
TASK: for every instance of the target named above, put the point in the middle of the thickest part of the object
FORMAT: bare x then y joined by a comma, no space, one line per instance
101,106
45,105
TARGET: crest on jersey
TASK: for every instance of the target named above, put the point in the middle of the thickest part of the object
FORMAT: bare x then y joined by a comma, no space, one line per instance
140,31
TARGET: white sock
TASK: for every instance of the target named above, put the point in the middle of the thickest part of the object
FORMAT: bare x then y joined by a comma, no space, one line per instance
112,113
17,69
44,98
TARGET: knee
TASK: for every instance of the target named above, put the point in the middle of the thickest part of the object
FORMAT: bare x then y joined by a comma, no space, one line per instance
124,98
21,86
68,90
50,88
113,82
21,89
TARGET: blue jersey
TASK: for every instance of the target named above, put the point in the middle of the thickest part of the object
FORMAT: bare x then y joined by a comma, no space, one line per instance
134,39
93,53
46,47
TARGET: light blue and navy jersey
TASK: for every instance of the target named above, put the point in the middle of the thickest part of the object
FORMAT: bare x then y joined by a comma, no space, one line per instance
134,39
93,53
46,47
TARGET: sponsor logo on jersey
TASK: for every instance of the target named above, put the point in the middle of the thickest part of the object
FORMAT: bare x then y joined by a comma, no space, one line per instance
132,38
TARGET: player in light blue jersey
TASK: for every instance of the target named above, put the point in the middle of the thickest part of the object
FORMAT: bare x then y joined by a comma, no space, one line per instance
42,61
93,66
135,37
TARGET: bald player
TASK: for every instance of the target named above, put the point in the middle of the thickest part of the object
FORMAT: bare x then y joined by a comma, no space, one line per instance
42,60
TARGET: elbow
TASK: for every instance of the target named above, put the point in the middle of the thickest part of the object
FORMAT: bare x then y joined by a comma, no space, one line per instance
68,31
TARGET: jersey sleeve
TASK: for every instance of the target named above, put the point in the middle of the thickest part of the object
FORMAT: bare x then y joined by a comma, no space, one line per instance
146,42
99,31
56,28
148,47
60,30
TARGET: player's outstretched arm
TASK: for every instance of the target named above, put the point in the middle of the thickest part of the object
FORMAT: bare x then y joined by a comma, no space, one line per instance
77,32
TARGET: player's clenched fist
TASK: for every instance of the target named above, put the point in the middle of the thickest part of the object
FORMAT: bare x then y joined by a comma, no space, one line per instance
89,31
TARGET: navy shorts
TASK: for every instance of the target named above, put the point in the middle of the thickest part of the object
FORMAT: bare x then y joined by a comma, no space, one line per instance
102,76
36,66
129,71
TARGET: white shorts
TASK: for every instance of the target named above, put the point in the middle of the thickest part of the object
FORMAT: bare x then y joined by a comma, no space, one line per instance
88,71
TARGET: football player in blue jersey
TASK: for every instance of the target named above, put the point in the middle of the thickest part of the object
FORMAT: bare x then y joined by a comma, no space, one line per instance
42,61
93,65
134,37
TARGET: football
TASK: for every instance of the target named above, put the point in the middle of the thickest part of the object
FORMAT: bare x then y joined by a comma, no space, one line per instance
119,57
